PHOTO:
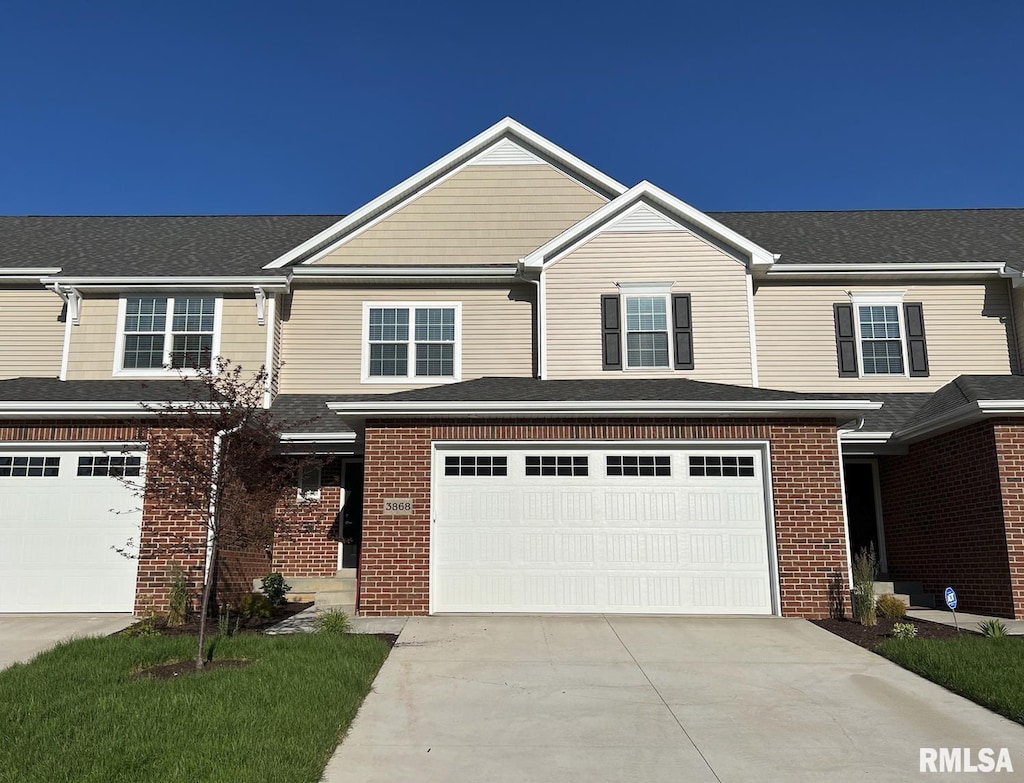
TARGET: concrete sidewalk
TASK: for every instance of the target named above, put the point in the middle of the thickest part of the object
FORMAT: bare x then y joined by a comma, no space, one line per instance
967,621
594,698
23,636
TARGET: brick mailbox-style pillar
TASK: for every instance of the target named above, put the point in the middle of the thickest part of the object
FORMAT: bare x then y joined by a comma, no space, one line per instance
807,490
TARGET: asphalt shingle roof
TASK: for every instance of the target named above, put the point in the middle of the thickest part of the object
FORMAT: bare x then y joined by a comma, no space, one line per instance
243,244
163,246
885,236
111,390
966,389
307,413
596,390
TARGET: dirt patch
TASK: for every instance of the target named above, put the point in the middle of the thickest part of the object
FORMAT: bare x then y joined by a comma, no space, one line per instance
870,637
170,671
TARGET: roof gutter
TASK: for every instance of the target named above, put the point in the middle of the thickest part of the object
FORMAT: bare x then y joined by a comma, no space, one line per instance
687,408
956,269
33,409
277,284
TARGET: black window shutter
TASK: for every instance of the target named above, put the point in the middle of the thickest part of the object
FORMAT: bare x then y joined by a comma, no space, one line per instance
917,351
846,340
682,330
611,333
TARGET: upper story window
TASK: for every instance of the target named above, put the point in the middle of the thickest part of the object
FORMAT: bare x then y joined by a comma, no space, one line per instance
160,333
646,327
881,341
411,342
646,331
878,334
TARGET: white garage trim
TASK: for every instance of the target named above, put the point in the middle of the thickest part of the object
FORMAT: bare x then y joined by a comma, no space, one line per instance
440,449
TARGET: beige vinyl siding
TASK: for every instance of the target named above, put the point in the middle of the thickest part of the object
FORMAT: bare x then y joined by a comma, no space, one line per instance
480,215
321,346
967,325
242,339
31,337
715,281
91,354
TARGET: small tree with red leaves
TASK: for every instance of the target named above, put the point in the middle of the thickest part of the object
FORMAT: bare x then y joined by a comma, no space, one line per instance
217,460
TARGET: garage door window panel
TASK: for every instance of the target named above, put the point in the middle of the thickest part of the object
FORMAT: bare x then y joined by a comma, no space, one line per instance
28,467
476,466
638,465
546,465
722,466
109,466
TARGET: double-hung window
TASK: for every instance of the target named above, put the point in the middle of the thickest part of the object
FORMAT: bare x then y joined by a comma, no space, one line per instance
646,331
411,342
881,339
157,333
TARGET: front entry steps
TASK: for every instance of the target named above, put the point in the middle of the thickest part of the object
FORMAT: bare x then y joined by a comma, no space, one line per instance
911,593
327,592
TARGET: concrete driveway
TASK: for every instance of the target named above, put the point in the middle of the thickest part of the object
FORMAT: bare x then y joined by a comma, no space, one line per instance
594,698
22,636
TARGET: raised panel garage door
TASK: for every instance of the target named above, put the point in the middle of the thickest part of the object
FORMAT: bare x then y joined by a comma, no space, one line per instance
616,529
61,514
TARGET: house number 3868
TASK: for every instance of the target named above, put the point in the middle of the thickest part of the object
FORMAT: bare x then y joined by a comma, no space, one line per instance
398,505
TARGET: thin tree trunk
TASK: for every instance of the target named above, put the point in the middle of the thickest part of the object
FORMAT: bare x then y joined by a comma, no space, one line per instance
204,610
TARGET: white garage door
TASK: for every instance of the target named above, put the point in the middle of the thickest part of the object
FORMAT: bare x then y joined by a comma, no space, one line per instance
615,529
60,515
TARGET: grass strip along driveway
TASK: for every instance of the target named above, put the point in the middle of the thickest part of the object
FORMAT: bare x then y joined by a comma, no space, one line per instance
986,671
76,713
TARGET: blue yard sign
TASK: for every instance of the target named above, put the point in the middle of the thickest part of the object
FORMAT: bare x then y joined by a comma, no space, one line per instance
951,598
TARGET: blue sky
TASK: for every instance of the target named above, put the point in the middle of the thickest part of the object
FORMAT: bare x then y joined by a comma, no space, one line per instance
316,107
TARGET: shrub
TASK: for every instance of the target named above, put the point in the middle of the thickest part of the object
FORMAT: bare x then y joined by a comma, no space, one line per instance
254,605
274,588
892,607
904,630
992,629
224,626
177,598
332,621
142,629
865,568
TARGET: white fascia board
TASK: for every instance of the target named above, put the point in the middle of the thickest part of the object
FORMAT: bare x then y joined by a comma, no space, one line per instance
357,273
453,159
317,437
827,408
217,283
962,269
556,249
29,271
862,436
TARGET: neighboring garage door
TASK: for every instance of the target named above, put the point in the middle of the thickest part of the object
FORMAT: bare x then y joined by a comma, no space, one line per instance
610,528
61,514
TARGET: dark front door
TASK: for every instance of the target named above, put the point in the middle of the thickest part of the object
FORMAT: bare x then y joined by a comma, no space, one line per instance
352,514
862,508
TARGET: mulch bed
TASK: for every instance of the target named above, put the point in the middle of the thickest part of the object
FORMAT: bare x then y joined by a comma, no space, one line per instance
191,627
870,637
170,671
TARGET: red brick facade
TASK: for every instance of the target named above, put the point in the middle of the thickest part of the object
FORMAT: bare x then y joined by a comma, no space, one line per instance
308,545
809,525
954,515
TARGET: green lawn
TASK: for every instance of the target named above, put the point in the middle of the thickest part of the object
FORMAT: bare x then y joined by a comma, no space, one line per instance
987,671
76,714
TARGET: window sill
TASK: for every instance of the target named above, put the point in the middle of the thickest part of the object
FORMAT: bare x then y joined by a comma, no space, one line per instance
433,380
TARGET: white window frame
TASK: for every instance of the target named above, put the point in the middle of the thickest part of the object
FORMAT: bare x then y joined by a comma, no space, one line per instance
165,371
646,291
410,377
861,299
